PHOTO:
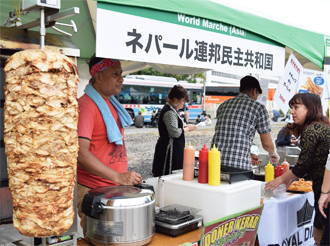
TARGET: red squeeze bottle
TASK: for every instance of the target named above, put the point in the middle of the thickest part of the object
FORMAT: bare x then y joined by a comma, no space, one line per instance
203,172
278,170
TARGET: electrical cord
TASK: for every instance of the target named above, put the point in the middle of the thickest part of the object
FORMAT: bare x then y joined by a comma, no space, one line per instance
89,243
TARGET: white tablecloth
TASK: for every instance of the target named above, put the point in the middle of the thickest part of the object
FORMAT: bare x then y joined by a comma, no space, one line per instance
287,220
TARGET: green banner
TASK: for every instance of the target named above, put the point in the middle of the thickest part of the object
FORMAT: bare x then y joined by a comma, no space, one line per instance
327,46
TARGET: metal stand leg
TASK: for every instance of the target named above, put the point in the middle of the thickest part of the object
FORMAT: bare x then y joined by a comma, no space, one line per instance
74,238
42,28
43,241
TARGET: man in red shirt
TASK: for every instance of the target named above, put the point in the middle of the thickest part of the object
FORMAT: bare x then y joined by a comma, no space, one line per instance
101,162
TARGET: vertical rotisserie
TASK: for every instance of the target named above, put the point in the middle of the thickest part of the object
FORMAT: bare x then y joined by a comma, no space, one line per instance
40,136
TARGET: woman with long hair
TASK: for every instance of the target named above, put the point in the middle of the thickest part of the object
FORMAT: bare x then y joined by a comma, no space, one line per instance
170,145
314,131
285,136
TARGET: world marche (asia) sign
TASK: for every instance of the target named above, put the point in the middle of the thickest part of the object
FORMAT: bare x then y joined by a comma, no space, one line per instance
152,36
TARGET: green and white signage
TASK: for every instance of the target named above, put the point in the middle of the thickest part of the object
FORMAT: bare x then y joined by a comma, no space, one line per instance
146,35
327,46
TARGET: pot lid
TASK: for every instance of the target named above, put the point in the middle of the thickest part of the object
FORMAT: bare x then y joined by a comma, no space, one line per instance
123,196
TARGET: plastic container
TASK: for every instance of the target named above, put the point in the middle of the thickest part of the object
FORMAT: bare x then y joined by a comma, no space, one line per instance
215,202
278,170
214,166
203,170
279,191
188,163
269,172
285,166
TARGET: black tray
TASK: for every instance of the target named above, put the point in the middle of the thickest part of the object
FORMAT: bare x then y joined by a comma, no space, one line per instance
178,231
296,191
231,174
173,219
175,230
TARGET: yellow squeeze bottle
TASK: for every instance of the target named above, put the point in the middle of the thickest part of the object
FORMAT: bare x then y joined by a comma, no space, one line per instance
269,172
214,166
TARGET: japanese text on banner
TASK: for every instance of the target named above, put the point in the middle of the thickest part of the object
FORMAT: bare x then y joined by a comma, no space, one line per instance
288,84
202,51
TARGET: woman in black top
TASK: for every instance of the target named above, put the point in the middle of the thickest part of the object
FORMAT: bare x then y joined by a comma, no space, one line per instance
284,136
170,145
314,131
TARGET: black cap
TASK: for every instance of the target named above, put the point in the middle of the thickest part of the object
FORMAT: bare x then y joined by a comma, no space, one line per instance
250,82
93,60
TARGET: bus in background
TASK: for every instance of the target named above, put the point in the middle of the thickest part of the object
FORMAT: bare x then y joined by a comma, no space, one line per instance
214,95
147,93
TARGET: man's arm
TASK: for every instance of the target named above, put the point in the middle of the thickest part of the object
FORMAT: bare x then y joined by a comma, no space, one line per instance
93,165
267,142
268,145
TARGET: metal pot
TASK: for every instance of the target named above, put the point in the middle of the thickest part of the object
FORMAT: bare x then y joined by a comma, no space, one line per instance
120,215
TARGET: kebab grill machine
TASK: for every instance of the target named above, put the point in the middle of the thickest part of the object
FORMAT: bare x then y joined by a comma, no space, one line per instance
13,39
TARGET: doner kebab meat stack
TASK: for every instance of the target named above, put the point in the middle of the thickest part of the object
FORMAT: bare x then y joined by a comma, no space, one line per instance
40,136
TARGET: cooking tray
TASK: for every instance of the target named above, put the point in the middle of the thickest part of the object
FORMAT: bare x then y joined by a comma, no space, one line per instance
175,214
175,230
232,174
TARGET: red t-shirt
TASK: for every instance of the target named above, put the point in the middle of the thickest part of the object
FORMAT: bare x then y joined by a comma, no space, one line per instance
91,126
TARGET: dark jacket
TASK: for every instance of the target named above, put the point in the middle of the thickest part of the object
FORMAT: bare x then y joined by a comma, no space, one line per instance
139,121
282,138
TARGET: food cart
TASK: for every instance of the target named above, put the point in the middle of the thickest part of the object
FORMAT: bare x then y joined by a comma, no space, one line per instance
145,39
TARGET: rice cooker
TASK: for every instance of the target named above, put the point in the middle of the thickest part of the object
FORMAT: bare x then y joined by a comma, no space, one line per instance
120,215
